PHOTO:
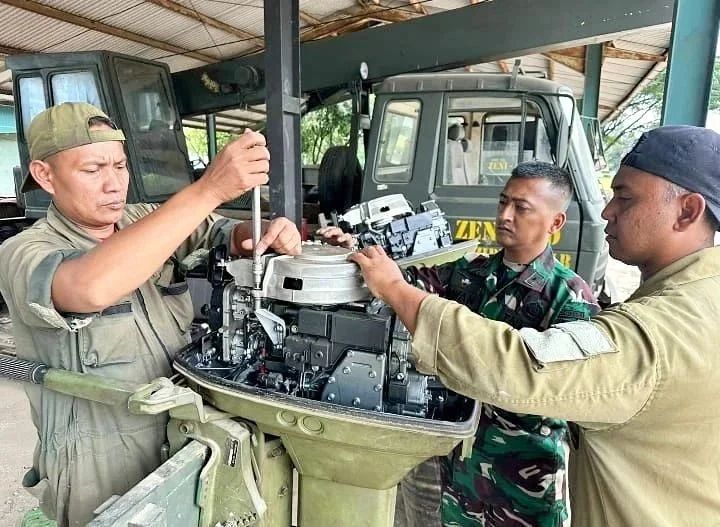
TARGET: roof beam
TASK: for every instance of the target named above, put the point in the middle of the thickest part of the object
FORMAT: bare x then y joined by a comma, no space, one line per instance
419,8
9,50
308,18
574,63
171,5
482,33
383,14
57,14
611,52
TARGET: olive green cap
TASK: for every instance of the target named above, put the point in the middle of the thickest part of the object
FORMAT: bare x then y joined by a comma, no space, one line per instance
63,127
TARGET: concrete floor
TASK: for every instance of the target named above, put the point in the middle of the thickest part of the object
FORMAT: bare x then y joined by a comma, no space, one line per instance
17,433
17,441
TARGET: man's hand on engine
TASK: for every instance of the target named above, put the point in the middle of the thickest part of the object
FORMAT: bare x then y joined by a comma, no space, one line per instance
335,236
381,273
386,282
280,235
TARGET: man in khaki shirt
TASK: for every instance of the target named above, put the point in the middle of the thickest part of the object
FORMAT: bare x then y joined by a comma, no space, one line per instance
642,378
96,288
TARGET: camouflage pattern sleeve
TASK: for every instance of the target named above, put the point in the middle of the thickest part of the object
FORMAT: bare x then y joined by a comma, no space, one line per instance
578,303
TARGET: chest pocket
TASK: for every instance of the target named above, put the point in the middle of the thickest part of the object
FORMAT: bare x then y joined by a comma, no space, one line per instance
467,288
529,313
111,341
175,295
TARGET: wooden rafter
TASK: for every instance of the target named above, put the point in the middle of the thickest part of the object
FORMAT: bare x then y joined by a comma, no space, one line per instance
612,52
9,50
308,18
171,5
574,63
57,14
419,8
327,29
381,13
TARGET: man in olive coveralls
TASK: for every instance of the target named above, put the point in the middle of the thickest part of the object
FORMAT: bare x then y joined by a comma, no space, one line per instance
641,378
95,288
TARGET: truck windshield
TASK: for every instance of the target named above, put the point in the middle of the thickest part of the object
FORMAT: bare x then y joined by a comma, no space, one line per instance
162,164
484,139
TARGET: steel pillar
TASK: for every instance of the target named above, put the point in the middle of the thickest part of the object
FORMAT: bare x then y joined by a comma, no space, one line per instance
690,66
591,94
211,136
282,84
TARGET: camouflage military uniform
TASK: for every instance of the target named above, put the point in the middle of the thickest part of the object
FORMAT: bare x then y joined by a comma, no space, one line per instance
516,473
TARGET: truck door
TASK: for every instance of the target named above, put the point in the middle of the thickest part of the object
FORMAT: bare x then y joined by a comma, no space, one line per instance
483,137
135,93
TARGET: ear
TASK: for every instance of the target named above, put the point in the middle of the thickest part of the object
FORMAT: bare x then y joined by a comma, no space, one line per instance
41,172
558,222
692,209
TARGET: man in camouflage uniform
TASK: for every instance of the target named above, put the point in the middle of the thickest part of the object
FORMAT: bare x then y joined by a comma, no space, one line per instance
95,288
638,379
516,473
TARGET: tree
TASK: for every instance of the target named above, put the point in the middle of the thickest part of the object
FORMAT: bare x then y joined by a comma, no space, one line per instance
323,128
643,113
196,140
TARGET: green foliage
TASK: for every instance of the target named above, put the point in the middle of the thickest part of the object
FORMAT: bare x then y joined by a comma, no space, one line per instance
324,128
319,130
197,143
641,114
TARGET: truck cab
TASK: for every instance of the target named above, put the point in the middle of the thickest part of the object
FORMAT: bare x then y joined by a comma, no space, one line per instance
450,137
455,138
136,93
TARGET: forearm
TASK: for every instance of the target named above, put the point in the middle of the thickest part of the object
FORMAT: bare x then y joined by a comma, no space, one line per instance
405,300
129,257
490,361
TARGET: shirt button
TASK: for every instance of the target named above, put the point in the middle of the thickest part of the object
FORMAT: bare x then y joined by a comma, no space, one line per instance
545,430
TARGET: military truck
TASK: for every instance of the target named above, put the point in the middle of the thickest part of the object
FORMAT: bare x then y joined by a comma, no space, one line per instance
455,138
451,137
336,397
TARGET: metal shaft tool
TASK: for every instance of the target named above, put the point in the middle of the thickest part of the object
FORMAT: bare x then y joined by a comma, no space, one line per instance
257,266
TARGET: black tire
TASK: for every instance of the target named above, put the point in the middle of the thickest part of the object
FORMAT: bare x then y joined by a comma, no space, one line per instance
339,179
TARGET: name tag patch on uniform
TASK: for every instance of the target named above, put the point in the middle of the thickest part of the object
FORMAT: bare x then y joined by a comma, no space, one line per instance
567,341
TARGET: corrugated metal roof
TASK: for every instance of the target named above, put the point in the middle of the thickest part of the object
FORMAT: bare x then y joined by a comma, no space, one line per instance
174,34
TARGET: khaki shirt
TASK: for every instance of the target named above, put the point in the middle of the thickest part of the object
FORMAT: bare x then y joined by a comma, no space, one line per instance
88,451
642,380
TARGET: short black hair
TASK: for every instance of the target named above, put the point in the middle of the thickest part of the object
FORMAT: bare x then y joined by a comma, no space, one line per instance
559,178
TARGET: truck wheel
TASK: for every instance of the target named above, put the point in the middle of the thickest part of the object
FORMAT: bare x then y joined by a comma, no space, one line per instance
339,179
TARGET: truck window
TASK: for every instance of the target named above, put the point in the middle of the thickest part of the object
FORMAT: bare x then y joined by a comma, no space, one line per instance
398,138
32,95
483,140
78,86
162,164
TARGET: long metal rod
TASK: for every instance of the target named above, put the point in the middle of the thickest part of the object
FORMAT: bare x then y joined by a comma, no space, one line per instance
257,266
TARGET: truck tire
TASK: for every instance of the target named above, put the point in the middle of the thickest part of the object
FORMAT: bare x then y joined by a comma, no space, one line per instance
339,179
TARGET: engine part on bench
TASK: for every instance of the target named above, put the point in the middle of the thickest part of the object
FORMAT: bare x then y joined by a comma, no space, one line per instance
318,334
390,222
